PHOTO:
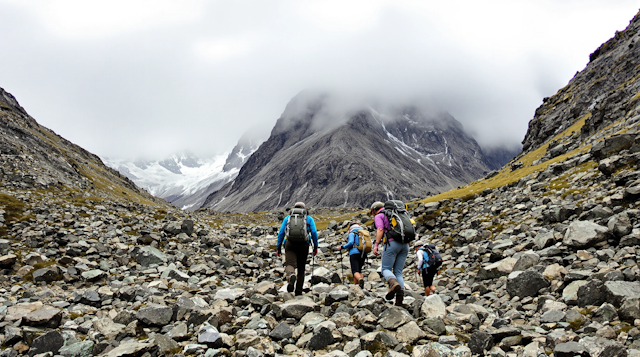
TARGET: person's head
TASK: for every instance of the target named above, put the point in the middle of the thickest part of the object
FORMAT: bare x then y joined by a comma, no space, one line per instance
418,244
299,205
354,225
375,207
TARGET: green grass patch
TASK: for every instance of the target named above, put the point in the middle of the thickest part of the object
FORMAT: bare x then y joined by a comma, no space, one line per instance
506,176
14,209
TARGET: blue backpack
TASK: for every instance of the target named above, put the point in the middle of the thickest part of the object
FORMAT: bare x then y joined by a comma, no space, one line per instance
431,256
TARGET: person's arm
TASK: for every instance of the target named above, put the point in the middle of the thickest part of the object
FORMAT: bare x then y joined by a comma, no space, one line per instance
314,232
283,228
378,223
419,255
351,241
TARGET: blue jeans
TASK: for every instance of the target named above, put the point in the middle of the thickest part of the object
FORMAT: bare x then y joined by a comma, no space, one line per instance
393,259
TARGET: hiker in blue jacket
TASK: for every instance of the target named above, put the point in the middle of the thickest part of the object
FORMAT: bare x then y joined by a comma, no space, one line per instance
356,258
296,233
427,272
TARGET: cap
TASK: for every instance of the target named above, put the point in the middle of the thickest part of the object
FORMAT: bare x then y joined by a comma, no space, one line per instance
376,206
299,205
418,243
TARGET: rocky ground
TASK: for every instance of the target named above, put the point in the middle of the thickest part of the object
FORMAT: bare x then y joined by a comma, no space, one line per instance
545,265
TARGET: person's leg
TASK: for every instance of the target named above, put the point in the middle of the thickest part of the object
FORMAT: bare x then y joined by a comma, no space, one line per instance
431,273
291,262
388,259
355,268
302,251
426,282
401,255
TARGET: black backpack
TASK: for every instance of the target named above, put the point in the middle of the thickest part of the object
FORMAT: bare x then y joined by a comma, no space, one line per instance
402,228
297,226
432,257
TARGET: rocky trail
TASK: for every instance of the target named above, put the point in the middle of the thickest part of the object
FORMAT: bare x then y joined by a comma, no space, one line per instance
547,264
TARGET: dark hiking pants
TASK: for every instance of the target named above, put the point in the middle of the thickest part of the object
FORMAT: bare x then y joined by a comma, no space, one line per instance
295,256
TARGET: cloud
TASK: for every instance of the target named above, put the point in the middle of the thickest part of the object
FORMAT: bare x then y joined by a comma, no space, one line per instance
150,78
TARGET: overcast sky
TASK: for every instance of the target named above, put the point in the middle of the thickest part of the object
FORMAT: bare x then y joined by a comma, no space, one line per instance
147,78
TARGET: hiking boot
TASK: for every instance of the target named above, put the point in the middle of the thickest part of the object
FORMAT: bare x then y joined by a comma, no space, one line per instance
361,283
394,287
399,297
292,283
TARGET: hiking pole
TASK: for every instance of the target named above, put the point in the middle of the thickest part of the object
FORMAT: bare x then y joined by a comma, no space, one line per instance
341,265
313,267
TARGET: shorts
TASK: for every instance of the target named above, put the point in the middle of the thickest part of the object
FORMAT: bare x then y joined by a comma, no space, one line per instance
427,275
357,262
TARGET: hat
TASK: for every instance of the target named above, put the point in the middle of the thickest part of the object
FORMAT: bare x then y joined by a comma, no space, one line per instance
376,206
299,205
354,225
418,243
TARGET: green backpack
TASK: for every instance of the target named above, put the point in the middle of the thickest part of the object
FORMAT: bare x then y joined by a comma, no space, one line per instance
297,226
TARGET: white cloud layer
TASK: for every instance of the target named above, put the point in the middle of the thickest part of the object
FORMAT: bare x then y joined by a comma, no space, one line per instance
147,78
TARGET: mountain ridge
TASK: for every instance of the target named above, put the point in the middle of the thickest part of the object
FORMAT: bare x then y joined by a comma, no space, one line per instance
361,143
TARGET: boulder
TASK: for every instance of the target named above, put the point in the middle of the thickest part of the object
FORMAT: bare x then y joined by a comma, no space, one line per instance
394,317
591,293
584,234
497,269
298,307
617,291
148,255
154,314
47,316
433,306
526,283
51,341
480,342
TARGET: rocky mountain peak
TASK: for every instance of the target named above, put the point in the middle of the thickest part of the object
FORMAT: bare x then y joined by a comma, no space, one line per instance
330,157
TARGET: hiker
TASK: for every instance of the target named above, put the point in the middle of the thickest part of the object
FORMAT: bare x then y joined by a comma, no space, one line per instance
294,233
426,266
394,255
357,256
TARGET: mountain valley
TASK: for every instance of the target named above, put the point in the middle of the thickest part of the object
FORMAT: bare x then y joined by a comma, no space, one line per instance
540,256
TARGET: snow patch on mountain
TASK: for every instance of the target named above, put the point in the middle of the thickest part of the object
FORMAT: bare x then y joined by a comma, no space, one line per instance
179,175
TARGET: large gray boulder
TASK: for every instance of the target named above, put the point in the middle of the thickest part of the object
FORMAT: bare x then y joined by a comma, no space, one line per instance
51,341
526,283
630,310
433,306
584,234
298,307
154,314
394,317
147,255
497,269
591,293
618,291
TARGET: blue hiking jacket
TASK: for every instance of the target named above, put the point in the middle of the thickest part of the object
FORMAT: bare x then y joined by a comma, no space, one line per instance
311,228
352,242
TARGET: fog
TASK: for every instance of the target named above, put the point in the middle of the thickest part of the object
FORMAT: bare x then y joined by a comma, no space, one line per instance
149,78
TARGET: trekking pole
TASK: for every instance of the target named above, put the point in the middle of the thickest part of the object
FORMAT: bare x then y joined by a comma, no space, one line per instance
341,265
314,264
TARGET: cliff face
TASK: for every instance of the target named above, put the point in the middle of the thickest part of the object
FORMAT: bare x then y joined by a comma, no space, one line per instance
605,91
353,161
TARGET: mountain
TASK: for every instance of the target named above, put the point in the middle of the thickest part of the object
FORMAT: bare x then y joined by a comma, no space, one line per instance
324,159
184,179
35,158
539,259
